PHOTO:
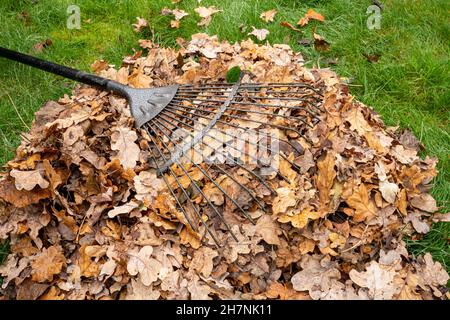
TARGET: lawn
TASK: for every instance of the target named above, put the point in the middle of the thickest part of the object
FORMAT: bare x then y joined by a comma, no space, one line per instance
408,85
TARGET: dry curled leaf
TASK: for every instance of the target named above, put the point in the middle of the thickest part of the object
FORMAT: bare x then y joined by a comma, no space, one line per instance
289,25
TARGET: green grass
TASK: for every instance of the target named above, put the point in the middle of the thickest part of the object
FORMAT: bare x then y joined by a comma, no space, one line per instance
408,86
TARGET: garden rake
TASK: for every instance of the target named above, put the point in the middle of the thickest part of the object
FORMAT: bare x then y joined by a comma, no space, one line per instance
185,123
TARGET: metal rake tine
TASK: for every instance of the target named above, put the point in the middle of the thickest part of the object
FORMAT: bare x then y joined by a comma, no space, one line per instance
265,123
267,114
262,105
234,136
173,192
214,182
256,121
198,189
231,177
279,85
176,106
237,163
189,95
247,154
185,193
206,134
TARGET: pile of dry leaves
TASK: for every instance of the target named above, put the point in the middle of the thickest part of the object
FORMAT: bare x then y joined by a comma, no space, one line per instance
89,219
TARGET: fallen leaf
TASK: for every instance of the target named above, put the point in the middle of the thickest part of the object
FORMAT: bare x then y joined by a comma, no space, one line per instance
268,16
143,264
441,217
320,44
260,34
21,198
283,292
202,261
364,207
30,290
389,191
206,15
285,199
12,268
382,281
136,290
123,140
268,229
315,276
126,208
140,24
40,46
325,177
373,58
310,14
416,220
48,264
290,26
432,274
425,202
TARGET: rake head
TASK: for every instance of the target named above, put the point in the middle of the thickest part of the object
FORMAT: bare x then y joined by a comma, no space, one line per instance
219,129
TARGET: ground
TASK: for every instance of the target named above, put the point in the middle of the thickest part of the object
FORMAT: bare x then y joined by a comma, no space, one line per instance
408,85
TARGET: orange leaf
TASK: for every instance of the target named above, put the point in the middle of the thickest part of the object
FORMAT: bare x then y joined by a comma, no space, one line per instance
288,25
311,14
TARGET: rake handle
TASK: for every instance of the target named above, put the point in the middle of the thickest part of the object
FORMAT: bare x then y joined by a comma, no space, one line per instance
66,72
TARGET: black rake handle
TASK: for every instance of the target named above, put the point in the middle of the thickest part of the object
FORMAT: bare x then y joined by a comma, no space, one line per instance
66,72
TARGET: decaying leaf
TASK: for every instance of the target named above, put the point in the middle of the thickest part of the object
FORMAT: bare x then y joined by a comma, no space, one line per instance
143,264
